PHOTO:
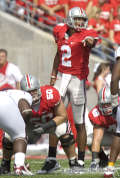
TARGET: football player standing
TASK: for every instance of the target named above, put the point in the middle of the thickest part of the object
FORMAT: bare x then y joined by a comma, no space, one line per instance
69,73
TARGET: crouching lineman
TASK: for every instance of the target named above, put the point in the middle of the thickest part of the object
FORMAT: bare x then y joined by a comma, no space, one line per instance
14,112
115,148
104,126
51,113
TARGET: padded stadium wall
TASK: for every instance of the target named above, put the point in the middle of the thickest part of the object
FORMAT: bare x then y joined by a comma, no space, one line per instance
30,48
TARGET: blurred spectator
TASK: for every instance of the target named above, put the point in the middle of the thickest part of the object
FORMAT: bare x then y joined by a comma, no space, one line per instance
78,3
10,74
114,33
102,29
115,3
101,23
98,25
99,76
52,8
10,77
25,9
7,5
104,5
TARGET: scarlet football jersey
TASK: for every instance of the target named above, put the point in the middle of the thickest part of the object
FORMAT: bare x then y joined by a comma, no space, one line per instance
53,3
50,98
74,57
97,118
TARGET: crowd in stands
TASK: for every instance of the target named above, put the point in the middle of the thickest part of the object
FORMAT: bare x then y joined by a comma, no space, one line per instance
103,15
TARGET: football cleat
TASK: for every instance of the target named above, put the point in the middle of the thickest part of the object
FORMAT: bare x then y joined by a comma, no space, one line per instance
81,163
50,166
94,166
75,164
103,163
5,167
22,170
109,172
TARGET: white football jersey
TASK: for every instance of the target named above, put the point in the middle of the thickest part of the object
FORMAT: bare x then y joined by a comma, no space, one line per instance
16,95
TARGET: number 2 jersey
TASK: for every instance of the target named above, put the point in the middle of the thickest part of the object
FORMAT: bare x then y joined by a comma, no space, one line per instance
50,98
97,118
74,57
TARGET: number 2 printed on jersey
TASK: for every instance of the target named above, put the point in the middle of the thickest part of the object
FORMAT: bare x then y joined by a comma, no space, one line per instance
66,54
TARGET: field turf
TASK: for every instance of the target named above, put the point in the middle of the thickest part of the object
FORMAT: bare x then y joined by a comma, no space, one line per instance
36,164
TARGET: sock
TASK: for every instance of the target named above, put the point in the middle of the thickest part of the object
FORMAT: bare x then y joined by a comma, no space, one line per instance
52,152
19,159
95,156
81,155
102,155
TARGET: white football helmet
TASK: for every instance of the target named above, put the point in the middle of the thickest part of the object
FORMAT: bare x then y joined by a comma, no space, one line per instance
104,101
77,12
30,84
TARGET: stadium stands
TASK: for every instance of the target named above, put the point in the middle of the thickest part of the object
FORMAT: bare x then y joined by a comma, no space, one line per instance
106,52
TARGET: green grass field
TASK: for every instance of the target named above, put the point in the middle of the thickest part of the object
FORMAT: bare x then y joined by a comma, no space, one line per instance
36,164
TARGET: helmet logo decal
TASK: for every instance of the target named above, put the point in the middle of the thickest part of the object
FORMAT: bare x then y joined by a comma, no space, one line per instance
104,93
28,80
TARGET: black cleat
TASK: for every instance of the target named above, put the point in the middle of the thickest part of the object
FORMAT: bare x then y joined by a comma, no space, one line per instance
74,164
50,166
103,163
5,167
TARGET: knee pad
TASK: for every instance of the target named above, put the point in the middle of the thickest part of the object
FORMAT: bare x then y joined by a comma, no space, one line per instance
67,140
7,144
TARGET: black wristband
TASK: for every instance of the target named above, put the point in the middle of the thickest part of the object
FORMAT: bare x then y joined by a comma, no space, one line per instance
50,124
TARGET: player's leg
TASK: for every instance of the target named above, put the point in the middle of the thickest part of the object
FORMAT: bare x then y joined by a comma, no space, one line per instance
9,122
7,149
106,141
98,133
78,103
51,161
68,143
115,148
